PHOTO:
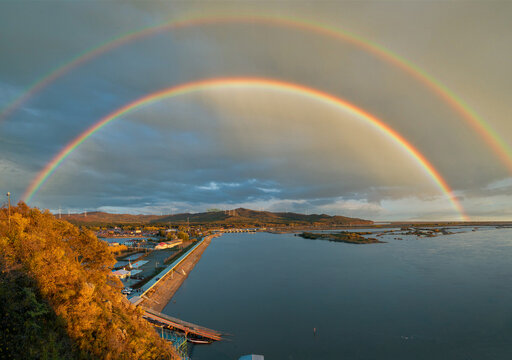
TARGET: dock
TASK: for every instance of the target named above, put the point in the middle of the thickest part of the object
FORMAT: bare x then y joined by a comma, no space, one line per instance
187,328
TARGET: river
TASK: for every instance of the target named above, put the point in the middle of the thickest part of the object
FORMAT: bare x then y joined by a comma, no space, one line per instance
447,297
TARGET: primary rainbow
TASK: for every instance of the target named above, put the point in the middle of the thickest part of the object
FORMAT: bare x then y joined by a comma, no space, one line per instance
491,137
190,87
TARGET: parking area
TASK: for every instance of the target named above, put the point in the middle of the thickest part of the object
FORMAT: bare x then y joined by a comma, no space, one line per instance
147,266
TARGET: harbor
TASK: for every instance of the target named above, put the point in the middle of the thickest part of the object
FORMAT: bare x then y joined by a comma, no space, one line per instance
158,291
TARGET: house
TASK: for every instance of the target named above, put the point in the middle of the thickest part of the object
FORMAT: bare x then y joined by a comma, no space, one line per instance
161,246
168,244
121,274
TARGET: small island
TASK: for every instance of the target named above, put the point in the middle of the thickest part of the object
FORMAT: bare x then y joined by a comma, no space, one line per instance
345,237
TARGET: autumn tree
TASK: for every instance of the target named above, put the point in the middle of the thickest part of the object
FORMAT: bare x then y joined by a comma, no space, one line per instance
66,282
182,235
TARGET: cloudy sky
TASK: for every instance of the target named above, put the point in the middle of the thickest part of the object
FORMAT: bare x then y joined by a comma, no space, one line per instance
258,147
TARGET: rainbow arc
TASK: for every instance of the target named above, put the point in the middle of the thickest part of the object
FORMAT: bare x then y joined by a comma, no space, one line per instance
234,83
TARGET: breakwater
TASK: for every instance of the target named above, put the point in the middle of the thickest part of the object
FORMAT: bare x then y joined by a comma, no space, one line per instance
157,292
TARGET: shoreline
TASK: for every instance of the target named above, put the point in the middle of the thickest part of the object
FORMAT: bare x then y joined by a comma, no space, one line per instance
389,225
162,293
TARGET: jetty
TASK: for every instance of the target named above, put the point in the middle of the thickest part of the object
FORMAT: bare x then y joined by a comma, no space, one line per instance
193,332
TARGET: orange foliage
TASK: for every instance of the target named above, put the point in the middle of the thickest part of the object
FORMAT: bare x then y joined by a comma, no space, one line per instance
72,270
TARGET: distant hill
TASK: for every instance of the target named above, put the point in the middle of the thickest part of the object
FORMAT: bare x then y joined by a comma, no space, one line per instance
238,216
107,218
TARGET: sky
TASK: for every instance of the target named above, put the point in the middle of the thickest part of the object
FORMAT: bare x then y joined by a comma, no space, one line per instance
259,147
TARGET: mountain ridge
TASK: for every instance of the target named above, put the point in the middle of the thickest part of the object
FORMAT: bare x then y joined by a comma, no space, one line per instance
235,216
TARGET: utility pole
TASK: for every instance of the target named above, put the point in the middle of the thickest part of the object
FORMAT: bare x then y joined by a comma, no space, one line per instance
9,213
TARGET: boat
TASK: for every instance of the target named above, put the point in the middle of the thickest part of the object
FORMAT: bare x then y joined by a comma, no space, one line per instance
200,341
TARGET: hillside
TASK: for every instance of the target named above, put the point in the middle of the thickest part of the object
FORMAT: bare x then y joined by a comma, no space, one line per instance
58,298
238,216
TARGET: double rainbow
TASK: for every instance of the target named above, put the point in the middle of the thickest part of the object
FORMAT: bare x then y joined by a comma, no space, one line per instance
491,137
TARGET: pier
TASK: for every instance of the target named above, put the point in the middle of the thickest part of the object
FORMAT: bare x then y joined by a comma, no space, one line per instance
193,332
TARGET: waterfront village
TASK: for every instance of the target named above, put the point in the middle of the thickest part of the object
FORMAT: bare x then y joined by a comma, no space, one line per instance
145,254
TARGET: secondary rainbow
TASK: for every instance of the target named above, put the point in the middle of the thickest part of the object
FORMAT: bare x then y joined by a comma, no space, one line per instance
491,137
214,83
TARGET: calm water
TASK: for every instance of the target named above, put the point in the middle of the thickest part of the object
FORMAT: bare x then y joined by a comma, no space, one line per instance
448,297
